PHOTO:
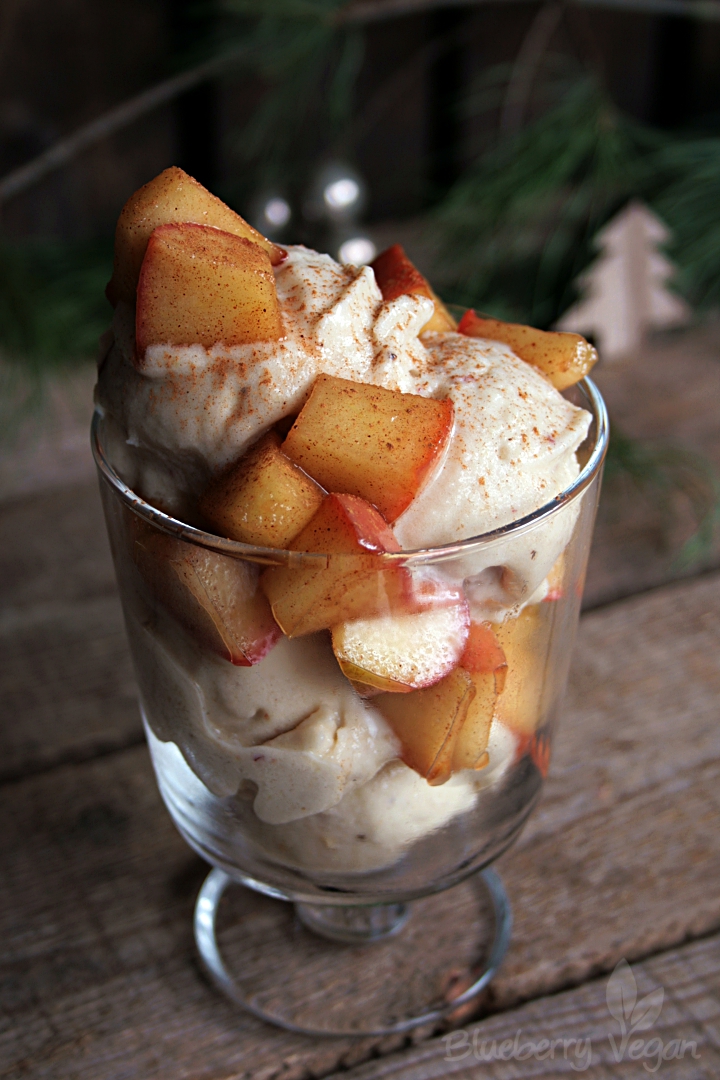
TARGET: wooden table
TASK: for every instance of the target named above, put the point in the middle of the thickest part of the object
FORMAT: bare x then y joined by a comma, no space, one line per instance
98,975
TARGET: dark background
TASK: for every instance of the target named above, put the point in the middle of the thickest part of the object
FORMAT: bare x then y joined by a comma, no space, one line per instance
63,64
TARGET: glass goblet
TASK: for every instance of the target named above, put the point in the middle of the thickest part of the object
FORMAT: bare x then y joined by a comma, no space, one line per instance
327,788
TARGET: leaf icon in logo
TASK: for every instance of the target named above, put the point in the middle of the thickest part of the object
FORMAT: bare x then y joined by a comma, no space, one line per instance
647,1011
621,993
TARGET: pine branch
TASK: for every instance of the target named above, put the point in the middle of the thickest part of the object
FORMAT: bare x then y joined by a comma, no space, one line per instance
517,229
64,151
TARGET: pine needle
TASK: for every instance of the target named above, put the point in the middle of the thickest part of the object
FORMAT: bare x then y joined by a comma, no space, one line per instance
690,204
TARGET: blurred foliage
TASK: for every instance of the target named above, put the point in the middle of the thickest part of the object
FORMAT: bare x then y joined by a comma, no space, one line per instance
308,60
517,229
52,313
513,233
690,204
664,475
52,301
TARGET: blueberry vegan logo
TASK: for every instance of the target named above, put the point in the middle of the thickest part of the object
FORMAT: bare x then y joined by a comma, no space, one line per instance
631,1015
634,1016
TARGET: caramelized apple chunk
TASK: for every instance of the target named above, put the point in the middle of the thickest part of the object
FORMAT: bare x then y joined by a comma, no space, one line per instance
525,640
264,499
427,723
172,198
564,358
402,653
396,276
378,444
470,749
201,286
217,599
484,655
484,660
350,583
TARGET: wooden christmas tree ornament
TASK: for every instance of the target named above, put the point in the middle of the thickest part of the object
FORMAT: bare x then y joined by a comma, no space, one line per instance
625,292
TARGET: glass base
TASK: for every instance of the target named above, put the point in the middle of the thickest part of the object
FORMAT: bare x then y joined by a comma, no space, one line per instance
429,960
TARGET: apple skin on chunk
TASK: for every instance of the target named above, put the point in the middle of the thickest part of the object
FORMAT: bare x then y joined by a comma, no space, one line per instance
172,198
427,723
201,286
564,358
216,598
352,585
376,443
264,499
402,653
397,276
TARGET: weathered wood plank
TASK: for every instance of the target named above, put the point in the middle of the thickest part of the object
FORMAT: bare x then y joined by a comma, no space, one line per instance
98,977
67,690
53,548
66,686
50,445
570,1032
643,700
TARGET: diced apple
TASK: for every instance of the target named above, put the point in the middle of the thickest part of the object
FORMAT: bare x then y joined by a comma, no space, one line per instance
375,443
401,653
525,641
201,286
216,598
352,584
264,499
396,276
484,660
427,723
483,654
470,750
172,198
564,358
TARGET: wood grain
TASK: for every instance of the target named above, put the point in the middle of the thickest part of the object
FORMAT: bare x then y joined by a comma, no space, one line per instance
53,548
569,1033
66,686
98,977
67,691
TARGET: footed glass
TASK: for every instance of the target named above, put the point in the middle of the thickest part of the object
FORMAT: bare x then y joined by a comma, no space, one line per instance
358,772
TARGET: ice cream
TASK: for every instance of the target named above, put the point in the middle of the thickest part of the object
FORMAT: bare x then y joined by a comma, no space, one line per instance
328,780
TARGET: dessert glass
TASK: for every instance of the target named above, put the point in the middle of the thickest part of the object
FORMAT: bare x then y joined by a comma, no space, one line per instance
343,887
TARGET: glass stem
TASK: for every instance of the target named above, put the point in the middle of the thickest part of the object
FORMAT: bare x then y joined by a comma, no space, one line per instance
354,924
